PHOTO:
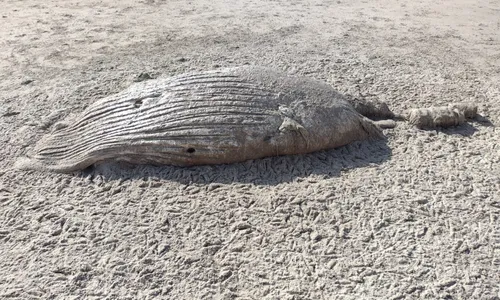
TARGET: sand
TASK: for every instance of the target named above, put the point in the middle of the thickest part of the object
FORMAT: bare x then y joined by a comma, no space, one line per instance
414,217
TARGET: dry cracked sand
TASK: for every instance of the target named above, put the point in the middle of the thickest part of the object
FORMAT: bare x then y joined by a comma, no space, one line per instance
415,217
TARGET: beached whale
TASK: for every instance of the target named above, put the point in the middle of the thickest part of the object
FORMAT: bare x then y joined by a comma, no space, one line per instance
212,117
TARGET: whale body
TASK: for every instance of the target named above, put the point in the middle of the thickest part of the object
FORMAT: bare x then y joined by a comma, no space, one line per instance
213,117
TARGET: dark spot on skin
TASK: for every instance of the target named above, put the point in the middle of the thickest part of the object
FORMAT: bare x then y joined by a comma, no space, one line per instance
138,103
190,150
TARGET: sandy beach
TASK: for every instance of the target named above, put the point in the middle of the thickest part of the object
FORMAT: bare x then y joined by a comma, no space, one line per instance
416,216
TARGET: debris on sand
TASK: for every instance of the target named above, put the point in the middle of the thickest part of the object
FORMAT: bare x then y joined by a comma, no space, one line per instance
443,116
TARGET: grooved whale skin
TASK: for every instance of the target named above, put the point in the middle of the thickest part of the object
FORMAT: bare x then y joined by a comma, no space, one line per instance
222,116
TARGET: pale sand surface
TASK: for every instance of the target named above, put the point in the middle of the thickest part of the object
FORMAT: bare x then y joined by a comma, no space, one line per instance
416,217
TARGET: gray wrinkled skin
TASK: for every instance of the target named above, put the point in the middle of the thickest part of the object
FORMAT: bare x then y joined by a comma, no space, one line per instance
224,116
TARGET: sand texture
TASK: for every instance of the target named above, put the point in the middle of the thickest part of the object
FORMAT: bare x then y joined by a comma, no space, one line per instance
415,216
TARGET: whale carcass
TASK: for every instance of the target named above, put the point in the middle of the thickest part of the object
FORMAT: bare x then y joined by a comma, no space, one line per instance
212,117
